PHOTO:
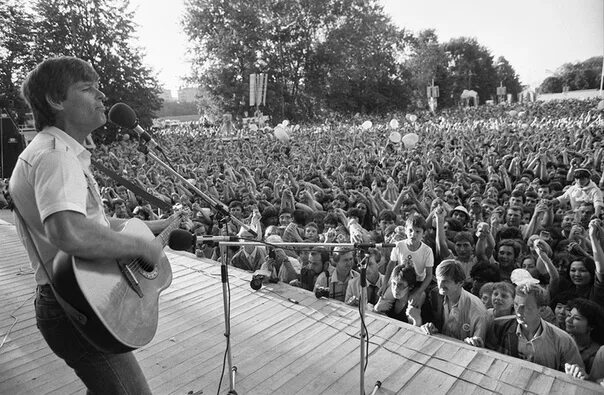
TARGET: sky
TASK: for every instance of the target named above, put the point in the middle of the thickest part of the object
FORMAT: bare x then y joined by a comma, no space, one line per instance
535,36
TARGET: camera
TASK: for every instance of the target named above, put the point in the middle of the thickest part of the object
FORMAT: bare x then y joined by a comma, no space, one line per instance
322,292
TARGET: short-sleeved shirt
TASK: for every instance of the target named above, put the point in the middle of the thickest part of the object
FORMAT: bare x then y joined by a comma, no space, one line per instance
53,174
420,259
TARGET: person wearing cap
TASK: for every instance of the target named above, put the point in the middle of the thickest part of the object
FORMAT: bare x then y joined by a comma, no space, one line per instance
530,337
461,214
583,190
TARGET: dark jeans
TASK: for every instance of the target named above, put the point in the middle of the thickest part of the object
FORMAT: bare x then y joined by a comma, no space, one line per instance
102,373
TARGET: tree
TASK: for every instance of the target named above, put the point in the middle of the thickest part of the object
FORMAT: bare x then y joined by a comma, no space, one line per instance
15,51
336,52
99,31
359,69
551,84
427,62
576,76
506,75
471,67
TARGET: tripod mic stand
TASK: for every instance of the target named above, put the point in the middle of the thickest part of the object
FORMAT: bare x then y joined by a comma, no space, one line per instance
363,332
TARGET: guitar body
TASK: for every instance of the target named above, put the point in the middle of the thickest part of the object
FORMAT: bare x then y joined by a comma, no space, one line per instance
119,319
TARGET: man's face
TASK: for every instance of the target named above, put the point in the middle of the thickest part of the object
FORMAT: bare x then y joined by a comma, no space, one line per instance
463,249
513,217
316,264
515,201
567,221
527,311
506,255
448,287
344,264
531,201
542,191
311,233
236,212
459,216
398,286
285,219
384,224
582,181
585,213
83,106
120,210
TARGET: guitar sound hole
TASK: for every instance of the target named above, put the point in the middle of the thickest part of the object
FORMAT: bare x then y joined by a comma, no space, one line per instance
150,275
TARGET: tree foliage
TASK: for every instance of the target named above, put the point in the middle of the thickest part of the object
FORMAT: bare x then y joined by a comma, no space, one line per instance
15,50
334,53
575,76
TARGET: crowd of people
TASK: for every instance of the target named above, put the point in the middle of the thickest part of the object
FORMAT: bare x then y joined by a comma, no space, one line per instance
494,217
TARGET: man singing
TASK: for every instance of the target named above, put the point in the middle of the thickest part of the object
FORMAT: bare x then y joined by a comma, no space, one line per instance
55,192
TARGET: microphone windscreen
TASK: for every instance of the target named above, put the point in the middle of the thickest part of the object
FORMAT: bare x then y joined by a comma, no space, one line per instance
181,240
123,115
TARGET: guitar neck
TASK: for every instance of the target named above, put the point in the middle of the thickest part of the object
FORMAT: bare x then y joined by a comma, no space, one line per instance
164,236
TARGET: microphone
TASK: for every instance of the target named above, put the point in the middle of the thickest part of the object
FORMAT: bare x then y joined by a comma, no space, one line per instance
182,240
124,116
374,245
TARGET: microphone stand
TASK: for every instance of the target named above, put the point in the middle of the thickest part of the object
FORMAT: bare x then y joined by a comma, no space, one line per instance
363,331
224,215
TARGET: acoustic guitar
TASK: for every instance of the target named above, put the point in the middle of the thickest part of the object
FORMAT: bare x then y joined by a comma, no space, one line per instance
117,299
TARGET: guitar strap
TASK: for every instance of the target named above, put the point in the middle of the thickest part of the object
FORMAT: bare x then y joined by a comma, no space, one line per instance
71,311
133,187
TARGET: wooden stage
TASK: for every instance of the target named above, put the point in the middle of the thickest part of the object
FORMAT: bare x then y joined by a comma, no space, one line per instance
278,347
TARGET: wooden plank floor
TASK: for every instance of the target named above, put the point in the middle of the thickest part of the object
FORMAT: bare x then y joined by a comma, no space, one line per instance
278,347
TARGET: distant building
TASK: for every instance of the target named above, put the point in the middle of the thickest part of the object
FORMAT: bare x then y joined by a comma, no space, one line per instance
166,95
187,95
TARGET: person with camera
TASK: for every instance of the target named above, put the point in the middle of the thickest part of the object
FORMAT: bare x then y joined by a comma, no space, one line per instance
334,282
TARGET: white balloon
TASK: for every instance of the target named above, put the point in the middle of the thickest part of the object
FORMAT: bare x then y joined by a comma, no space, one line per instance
521,114
281,134
285,122
394,124
513,113
253,127
410,139
395,137
413,117
601,105
367,125
126,137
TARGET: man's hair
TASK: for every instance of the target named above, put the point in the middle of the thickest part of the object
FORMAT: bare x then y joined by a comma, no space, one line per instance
322,252
539,293
387,215
405,272
452,269
510,243
51,79
464,236
236,203
339,251
505,287
486,288
416,221
312,225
